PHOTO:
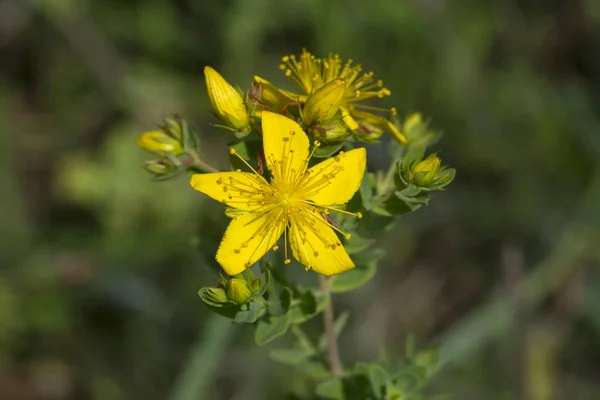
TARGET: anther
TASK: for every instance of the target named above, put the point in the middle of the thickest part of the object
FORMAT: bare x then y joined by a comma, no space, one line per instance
238,170
232,151
275,248
359,215
348,236
287,261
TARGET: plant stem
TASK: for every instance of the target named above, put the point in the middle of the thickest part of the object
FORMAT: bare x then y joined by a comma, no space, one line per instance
199,163
333,352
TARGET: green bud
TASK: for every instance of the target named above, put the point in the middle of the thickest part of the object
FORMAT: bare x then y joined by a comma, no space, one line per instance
215,295
427,174
325,102
173,127
238,291
332,130
158,167
424,172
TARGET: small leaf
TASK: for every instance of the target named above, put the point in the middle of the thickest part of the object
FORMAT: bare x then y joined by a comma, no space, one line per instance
291,356
378,377
255,308
354,278
407,381
248,150
308,306
357,244
427,359
265,280
280,300
332,389
190,139
315,370
327,150
271,328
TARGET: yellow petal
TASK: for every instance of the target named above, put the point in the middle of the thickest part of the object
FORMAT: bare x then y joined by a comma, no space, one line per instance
285,145
247,238
241,190
315,244
273,97
336,180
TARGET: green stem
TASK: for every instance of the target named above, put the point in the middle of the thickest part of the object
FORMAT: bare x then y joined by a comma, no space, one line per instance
198,163
333,352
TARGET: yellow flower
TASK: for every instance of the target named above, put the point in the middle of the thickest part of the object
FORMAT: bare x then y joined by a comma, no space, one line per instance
293,204
310,73
226,101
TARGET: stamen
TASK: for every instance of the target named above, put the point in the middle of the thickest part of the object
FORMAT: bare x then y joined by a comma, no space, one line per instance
234,153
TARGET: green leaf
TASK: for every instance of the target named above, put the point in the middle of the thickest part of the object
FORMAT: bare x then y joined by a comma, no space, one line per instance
190,139
255,308
248,150
427,359
407,381
271,328
338,327
332,389
308,306
354,278
291,356
378,377
357,243
265,280
280,300
315,370
327,150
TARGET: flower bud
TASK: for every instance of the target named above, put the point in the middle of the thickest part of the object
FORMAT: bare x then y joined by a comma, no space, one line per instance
215,295
226,101
238,291
173,127
159,142
424,172
427,174
325,102
333,130
158,167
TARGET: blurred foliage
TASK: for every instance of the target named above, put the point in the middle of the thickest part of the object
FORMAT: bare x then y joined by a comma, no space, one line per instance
99,277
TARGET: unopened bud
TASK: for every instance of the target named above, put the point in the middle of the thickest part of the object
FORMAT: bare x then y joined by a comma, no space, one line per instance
226,101
159,142
215,294
158,167
173,126
325,102
238,291
425,172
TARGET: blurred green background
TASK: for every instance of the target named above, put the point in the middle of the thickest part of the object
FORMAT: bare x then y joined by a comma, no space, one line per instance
100,265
